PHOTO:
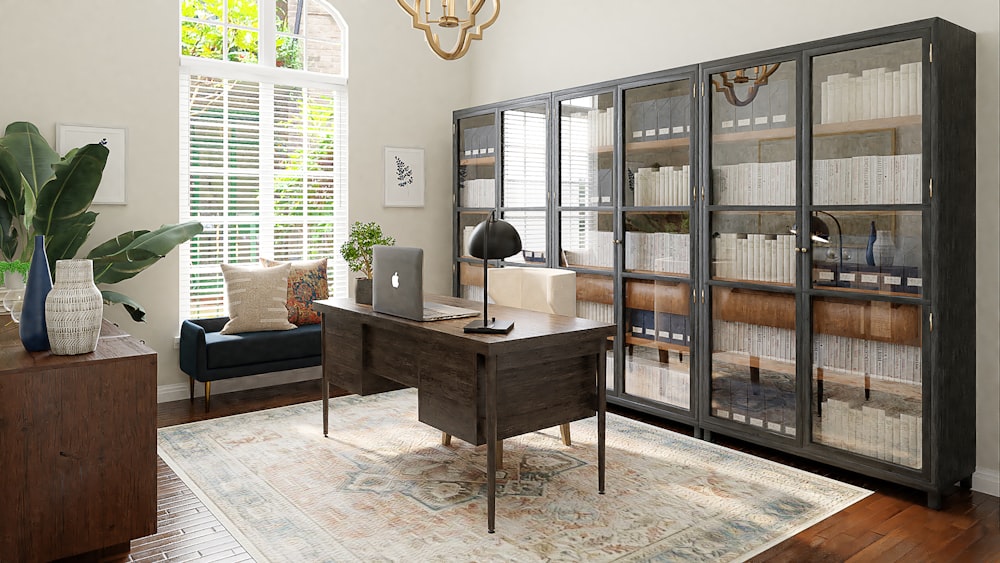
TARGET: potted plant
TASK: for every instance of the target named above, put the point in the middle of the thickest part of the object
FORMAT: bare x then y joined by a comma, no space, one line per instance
42,193
357,251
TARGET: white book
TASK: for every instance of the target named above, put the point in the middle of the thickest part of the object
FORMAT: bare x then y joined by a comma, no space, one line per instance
894,105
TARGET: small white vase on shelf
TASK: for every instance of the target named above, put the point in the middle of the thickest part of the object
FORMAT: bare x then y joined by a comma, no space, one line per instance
74,309
884,250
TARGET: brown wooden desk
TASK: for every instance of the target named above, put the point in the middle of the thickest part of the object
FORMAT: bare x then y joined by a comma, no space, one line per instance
477,387
77,448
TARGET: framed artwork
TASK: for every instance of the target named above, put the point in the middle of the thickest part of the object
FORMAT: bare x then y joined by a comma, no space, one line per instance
404,177
112,188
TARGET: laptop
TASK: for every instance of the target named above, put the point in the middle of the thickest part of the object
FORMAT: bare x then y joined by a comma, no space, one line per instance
398,286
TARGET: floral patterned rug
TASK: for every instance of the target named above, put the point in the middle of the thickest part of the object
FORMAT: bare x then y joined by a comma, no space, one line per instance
383,488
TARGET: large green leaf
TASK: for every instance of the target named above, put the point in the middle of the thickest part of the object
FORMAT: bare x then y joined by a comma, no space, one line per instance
71,190
130,253
64,242
11,203
34,155
134,309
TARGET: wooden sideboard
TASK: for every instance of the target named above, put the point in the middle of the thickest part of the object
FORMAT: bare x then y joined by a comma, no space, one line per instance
77,447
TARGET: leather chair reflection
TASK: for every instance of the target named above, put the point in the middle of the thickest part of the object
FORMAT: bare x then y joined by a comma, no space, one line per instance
547,290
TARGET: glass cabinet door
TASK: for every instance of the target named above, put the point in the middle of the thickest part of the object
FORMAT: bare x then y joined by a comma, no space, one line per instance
866,229
476,194
587,139
524,174
656,215
752,247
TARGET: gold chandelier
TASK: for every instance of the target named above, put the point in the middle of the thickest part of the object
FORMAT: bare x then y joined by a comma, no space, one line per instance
467,30
757,74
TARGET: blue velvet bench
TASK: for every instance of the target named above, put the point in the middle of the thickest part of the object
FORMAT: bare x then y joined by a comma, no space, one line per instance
208,356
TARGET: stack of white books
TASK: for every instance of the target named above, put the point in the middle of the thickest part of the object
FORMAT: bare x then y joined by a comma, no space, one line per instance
601,124
654,380
754,183
479,193
658,252
889,361
868,180
755,257
754,340
870,431
878,93
663,186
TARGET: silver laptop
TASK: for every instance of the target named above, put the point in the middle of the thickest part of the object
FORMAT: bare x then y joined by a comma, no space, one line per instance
398,286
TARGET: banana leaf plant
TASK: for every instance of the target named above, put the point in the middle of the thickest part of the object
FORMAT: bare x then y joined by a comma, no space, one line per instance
42,193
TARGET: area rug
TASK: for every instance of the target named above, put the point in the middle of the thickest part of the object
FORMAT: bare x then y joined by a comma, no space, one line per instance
383,488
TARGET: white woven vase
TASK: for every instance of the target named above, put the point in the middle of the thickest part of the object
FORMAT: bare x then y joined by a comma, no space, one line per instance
73,309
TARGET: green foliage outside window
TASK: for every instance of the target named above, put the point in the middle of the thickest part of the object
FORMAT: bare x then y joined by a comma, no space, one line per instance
204,38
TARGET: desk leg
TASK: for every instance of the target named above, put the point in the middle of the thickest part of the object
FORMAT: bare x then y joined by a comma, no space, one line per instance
602,397
490,366
325,382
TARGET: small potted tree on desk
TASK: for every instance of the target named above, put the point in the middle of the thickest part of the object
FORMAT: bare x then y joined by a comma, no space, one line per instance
357,251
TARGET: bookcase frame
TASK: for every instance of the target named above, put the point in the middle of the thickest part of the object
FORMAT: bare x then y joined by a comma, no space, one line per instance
946,302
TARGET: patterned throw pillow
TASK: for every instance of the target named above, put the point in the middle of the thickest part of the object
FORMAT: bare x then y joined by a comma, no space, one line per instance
306,283
256,298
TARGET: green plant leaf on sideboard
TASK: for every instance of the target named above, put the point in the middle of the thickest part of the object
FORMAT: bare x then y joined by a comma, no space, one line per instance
132,252
70,192
33,154
64,242
134,309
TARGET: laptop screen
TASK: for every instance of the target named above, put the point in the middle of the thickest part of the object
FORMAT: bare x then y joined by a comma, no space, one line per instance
397,281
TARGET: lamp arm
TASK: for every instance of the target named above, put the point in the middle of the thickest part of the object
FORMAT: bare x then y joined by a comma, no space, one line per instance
840,238
486,273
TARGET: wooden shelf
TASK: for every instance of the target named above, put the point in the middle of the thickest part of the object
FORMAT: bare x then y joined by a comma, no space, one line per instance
658,144
478,161
847,127
647,343
759,135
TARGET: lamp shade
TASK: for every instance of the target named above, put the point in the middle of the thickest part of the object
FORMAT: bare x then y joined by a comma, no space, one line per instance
494,239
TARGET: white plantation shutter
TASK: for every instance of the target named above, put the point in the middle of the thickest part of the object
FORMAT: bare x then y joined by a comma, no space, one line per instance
524,176
264,168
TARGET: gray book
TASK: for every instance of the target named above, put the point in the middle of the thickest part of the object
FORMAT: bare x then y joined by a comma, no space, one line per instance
723,114
761,108
663,117
680,112
744,114
779,94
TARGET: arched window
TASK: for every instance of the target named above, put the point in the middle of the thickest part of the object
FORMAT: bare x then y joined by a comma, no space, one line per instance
263,138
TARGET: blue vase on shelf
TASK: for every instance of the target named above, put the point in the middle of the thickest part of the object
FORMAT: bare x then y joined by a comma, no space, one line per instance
870,252
34,333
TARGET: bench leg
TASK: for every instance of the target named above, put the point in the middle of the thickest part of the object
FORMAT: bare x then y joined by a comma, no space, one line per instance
445,439
192,388
208,394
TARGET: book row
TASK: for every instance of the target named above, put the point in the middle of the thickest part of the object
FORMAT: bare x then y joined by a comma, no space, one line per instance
666,185
661,327
896,279
601,127
601,312
755,257
595,248
769,404
658,252
870,431
881,360
772,107
754,340
661,382
479,141
653,120
868,180
878,93
478,193
754,183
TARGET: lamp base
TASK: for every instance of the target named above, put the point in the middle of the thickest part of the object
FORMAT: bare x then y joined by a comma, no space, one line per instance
492,327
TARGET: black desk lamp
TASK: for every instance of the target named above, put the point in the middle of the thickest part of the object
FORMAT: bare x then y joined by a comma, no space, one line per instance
819,231
493,239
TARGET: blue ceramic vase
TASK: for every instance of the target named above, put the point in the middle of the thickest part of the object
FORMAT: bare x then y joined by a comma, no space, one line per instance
34,333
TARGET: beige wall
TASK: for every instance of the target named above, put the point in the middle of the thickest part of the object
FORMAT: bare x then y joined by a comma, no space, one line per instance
527,53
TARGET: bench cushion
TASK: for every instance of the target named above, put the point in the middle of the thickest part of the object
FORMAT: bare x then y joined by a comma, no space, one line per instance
230,350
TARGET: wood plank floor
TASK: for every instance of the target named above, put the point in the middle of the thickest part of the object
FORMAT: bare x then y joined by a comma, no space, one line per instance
891,525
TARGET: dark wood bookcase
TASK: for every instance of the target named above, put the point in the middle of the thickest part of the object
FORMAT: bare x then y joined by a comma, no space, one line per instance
791,262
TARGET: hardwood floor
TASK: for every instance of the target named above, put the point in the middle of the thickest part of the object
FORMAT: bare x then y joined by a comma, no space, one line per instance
891,525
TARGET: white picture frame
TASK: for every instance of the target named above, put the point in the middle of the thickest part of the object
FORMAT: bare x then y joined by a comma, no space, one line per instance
112,188
404,177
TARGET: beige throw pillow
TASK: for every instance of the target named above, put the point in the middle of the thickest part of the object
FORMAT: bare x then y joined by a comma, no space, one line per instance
256,298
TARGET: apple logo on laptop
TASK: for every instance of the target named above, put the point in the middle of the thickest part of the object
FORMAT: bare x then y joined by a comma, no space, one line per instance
395,280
